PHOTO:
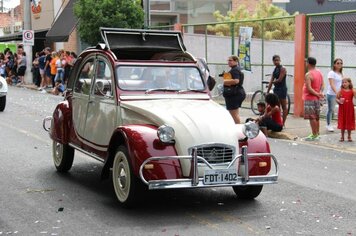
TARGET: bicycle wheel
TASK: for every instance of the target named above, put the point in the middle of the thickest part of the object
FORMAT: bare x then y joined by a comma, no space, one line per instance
257,97
288,103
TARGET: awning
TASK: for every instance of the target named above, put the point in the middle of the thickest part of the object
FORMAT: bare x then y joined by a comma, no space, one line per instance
63,25
39,34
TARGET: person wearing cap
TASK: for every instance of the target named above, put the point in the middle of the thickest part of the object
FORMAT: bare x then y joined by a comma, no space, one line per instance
312,93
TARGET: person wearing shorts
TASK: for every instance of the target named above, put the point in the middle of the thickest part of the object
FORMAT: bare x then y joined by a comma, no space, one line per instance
278,79
41,66
312,93
47,69
21,68
233,102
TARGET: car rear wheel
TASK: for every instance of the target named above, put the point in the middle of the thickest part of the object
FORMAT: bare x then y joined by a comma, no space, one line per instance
126,184
2,103
63,156
247,192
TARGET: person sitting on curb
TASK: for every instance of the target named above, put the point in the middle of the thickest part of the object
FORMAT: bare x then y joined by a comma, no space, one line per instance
58,88
272,118
261,108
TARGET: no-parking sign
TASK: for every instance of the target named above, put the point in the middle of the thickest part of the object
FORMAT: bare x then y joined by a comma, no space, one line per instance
28,37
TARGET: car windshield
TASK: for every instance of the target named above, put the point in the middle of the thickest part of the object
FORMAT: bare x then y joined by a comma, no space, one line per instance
158,78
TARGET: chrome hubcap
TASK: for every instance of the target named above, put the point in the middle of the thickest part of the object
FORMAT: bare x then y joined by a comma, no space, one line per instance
57,153
122,176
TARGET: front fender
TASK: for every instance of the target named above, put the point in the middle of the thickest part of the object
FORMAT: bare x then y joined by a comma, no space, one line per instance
258,145
142,142
61,123
3,87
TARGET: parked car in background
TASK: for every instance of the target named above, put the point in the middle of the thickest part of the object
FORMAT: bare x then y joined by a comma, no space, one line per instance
140,104
3,93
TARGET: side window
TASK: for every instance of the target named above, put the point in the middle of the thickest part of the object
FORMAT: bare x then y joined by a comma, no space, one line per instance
83,83
103,75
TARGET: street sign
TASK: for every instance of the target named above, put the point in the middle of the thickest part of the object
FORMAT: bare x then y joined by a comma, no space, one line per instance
28,37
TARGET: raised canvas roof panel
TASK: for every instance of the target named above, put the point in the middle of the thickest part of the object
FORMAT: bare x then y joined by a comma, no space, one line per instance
141,40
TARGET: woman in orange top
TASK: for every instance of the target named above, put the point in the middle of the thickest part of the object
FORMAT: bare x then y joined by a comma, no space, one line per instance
53,66
272,118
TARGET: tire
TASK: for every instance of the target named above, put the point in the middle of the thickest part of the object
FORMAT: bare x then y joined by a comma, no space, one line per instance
2,103
257,97
247,192
63,156
126,185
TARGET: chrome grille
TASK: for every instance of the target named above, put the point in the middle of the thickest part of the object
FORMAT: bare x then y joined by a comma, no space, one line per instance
215,153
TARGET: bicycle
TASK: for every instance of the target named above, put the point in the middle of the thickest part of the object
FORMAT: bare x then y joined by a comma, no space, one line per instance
259,96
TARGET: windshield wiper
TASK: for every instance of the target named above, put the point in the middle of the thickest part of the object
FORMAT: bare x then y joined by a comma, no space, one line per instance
191,90
160,89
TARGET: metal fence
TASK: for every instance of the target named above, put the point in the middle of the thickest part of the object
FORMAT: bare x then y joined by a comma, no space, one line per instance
331,35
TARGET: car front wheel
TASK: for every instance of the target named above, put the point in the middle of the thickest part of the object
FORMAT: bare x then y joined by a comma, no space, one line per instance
2,103
126,184
63,156
247,192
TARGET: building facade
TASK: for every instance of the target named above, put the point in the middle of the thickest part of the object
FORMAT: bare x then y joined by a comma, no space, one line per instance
57,16
44,15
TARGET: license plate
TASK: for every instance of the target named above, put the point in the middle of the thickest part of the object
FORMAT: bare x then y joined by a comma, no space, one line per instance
220,176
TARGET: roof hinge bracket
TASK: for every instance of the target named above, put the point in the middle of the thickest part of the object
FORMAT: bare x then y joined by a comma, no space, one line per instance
143,36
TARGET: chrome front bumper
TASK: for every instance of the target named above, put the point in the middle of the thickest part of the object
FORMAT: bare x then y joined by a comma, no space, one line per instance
194,181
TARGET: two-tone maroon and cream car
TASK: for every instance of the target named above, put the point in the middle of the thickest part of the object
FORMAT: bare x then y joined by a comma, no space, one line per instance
140,104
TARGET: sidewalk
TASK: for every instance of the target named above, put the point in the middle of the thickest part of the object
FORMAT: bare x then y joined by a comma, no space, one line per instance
296,129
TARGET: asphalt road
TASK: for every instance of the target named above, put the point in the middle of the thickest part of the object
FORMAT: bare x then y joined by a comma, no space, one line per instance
315,195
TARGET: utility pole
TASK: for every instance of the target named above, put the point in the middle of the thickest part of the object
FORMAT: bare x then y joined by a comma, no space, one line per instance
27,48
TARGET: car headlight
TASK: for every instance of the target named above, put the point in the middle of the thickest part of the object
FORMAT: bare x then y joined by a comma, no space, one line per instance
165,134
251,129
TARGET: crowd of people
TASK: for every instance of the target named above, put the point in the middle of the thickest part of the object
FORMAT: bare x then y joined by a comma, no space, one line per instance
13,65
273,111
339,90
271,117
50,69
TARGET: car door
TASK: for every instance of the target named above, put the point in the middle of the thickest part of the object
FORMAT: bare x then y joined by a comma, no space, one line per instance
81,93
101,117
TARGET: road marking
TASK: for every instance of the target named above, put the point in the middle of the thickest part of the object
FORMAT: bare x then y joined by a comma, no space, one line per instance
25,132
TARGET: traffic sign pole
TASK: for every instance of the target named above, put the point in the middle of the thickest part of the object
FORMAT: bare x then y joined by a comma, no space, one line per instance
28,48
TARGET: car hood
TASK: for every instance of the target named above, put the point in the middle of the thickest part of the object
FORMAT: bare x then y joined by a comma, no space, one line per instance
195,122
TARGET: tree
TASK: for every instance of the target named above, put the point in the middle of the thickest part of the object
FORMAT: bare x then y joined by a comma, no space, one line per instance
273,29
93,14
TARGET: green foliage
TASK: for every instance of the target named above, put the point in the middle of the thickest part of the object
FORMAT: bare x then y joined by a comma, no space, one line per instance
93,14
273,29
